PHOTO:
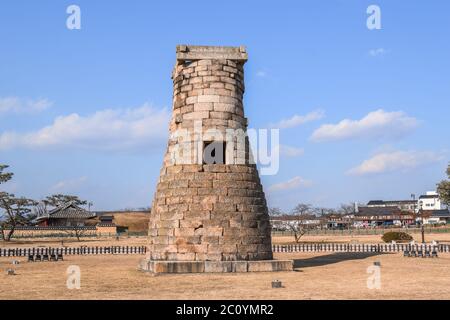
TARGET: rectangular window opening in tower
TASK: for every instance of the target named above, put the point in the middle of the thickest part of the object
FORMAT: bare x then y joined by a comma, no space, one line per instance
214,152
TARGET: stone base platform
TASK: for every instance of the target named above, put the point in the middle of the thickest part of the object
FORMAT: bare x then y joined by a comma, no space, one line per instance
154,266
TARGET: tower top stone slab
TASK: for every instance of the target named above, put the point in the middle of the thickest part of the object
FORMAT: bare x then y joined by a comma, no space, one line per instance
189,52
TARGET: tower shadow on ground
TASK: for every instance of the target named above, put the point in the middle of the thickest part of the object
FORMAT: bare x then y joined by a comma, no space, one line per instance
334,258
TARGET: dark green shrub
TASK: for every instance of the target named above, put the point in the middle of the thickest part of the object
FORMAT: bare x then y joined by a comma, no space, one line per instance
396,236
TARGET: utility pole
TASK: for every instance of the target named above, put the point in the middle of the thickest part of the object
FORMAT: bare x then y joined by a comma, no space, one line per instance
420,213
413,196
422,229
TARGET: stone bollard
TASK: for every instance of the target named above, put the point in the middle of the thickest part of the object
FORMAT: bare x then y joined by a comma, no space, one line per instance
10,272
277,284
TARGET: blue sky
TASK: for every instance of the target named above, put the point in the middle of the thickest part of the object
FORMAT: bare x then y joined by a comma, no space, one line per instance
364,114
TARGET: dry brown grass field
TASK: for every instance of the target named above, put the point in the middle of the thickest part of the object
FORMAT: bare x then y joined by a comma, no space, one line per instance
316,276
135,221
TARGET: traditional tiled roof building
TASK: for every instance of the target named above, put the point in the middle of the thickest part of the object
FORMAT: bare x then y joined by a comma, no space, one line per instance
67,215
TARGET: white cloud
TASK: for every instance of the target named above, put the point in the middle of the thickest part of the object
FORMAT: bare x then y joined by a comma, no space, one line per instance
294,183
289,151
376,124
297,120
261,74
110,129
378,52
19,105
68,185
395,161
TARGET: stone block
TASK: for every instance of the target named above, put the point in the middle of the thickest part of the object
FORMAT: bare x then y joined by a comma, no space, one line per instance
200,206
200,183
165,248
224,207
232,232
240,266
171,215
193,248
186,256
184,232
270,266
205,199
217,223
191,223
191,100
208,98
218,266
185,240
218,85
204,106
214,266
176,267
174,169
192,168
215,168
220,115
224,107
230,248
178,184
205,175
196,215
196,114
211,239
211,191
166,231
213,231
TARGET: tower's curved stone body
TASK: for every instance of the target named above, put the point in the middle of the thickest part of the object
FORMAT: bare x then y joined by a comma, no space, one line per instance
208,211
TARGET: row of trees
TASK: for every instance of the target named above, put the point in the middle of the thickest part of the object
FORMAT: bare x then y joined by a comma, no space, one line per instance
21,211
303,209
302,212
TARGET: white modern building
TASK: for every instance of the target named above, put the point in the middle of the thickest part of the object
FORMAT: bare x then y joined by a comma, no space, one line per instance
430,201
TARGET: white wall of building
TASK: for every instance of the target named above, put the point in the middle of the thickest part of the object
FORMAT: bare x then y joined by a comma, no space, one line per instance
431,202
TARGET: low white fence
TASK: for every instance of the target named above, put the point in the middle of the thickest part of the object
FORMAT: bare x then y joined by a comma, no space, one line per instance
341,247
24,252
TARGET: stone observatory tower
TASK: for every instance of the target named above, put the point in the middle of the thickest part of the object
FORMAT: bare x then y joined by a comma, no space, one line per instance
209,213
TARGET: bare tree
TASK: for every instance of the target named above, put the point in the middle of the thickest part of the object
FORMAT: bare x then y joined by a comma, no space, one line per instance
61,199
275,212
323,214
299,226
14,211
299,229
40,209
348,212
347,208
302,209
17,212
78,230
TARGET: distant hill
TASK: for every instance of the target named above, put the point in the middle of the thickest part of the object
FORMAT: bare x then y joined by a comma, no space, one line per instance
136,221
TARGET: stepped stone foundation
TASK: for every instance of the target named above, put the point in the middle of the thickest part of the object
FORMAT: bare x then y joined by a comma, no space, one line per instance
209,213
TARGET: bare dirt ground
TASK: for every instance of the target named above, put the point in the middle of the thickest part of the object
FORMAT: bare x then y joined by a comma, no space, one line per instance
317,276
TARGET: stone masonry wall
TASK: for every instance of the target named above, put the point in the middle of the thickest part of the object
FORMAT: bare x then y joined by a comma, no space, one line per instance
208,212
